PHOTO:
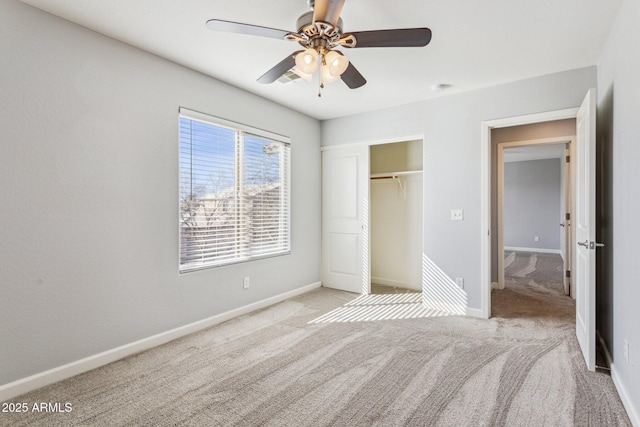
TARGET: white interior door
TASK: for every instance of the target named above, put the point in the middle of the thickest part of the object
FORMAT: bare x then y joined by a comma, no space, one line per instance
584,222
345,218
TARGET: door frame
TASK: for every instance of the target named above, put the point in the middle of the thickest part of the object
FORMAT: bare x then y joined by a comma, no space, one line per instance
485,191
500,195
366,258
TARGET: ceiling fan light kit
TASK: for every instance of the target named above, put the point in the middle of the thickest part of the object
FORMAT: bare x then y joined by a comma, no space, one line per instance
320,32
302,75
336,63
307,61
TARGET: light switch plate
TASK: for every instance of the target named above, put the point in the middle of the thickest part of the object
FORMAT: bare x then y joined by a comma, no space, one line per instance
456,215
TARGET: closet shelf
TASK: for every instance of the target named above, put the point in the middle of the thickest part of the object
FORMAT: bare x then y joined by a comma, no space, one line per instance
392,175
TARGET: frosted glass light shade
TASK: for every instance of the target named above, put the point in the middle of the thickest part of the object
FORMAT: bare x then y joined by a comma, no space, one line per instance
327,77
307,61
336,63
305,76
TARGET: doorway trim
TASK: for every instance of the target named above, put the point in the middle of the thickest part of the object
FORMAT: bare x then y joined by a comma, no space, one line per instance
485,190
564,140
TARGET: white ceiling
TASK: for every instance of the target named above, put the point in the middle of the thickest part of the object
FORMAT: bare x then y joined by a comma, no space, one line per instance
475,43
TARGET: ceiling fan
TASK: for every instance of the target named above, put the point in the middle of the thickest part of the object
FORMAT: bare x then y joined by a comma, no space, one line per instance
320,33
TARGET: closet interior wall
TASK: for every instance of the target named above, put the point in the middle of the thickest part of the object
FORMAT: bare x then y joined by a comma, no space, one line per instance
396,214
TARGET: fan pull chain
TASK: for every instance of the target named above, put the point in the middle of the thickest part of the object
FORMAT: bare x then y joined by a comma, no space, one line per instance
320,62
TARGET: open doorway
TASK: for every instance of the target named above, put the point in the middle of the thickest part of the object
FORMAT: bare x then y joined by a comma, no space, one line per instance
395,194
534,207
532,202
583,242
529,162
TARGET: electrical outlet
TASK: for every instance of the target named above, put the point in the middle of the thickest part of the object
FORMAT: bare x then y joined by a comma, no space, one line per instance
456,215
536,239
245,282
460,282
625,350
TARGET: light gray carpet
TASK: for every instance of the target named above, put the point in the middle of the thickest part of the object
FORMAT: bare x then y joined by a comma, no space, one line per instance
523,367
534,269
377,289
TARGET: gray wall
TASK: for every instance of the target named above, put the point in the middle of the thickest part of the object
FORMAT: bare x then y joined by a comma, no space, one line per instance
89,195
451,128
532,196
618,291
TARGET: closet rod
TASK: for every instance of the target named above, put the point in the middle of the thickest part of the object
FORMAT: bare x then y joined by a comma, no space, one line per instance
393,175
385,177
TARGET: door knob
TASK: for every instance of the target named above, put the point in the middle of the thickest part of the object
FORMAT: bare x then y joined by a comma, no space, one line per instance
562,224
591,245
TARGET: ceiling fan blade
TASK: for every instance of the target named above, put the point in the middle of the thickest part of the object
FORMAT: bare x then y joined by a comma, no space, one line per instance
352,77
279,69
327,11
252,30
405,37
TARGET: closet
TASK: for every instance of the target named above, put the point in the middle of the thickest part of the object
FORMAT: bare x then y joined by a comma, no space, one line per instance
395,194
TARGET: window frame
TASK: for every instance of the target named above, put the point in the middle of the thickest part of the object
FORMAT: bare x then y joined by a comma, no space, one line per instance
240,130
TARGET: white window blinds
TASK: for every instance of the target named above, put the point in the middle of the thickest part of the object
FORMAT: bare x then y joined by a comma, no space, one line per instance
234,192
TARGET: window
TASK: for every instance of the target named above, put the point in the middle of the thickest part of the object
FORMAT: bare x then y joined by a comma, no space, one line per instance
234,192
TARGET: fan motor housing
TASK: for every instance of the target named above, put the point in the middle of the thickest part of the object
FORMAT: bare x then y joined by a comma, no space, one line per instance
306,26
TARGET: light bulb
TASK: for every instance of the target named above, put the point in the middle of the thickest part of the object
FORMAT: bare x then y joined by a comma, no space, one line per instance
307,61
337,63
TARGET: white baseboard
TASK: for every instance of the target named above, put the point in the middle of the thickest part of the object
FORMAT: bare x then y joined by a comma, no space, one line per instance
632,412
496,285
541,250
445,307
395,283
25,385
